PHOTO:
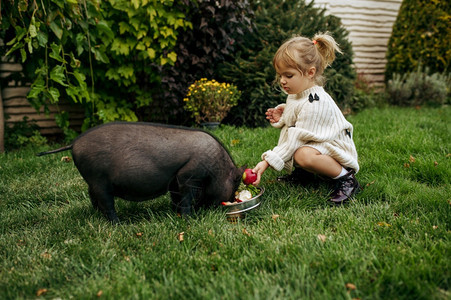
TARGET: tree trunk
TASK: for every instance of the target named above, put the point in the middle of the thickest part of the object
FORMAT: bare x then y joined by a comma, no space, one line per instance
2,125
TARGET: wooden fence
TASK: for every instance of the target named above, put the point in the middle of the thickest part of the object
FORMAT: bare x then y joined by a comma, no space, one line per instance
16,106
370,24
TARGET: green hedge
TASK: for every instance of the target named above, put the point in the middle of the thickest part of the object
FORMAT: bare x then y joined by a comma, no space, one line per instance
217,29
252,70
421,37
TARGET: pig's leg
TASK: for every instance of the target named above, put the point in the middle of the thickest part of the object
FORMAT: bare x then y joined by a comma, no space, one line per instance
181,200
175,195
187,190
102,199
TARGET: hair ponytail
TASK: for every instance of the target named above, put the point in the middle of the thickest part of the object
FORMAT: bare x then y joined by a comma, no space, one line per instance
326,46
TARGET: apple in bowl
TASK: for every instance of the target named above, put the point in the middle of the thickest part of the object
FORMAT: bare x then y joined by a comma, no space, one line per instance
249,177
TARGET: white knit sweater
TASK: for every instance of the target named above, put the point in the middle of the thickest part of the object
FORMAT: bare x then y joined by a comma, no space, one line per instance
314,123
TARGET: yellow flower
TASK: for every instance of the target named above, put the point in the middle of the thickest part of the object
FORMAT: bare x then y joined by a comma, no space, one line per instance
210,100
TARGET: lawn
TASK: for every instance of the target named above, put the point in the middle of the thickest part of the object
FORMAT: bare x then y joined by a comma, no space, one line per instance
391,242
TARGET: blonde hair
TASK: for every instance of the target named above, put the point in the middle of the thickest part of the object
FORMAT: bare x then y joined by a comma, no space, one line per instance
302,53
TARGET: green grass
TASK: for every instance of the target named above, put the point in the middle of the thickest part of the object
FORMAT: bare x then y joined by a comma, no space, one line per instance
392,242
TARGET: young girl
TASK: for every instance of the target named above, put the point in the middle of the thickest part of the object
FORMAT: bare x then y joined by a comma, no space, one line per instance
315,137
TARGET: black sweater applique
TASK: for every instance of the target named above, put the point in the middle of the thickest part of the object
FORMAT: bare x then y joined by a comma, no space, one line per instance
313,98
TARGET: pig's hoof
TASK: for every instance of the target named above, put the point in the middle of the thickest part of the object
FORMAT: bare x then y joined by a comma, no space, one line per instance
115,222
112,217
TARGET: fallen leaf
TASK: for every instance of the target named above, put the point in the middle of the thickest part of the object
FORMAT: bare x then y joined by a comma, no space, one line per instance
99,293
350,286
245,232
180,236
274,217
383,224
371,183
66,159
321,237
41,292
235,142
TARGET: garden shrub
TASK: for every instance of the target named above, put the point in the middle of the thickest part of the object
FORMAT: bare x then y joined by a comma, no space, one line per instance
364,96
418,88
420,36
252,69
210,101
104,55
217,28
22,134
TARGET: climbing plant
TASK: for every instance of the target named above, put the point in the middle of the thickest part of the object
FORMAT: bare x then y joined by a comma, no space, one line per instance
102,54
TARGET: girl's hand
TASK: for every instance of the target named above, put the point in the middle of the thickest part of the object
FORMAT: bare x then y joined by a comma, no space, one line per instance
259,169
274,114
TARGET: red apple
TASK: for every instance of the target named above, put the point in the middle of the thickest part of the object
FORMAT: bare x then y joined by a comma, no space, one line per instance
249,177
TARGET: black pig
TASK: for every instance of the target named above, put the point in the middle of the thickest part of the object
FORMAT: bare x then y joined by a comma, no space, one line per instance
141,161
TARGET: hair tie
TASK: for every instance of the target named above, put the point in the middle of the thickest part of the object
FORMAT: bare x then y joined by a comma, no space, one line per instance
314,42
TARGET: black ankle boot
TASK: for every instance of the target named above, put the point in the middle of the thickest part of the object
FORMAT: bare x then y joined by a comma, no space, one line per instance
298,176
346,187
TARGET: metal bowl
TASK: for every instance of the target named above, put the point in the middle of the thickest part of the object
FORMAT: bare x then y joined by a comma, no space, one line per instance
238,210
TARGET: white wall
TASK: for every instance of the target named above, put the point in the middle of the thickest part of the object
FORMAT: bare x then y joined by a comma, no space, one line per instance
370,24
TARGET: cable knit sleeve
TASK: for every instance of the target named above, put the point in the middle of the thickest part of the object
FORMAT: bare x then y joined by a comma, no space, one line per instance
314,123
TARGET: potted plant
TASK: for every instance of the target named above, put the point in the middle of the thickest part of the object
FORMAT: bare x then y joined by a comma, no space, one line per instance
209,101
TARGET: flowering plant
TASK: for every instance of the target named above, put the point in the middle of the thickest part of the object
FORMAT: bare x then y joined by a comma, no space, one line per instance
210,101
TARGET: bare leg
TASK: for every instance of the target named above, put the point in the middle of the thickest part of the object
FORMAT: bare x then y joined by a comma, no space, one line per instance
313,161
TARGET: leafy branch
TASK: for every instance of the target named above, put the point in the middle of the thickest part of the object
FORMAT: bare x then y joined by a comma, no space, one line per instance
69,46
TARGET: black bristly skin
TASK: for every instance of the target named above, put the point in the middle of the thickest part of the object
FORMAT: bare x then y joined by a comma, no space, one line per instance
141,161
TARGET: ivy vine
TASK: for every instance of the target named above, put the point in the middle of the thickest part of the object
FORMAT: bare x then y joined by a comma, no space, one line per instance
104,55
